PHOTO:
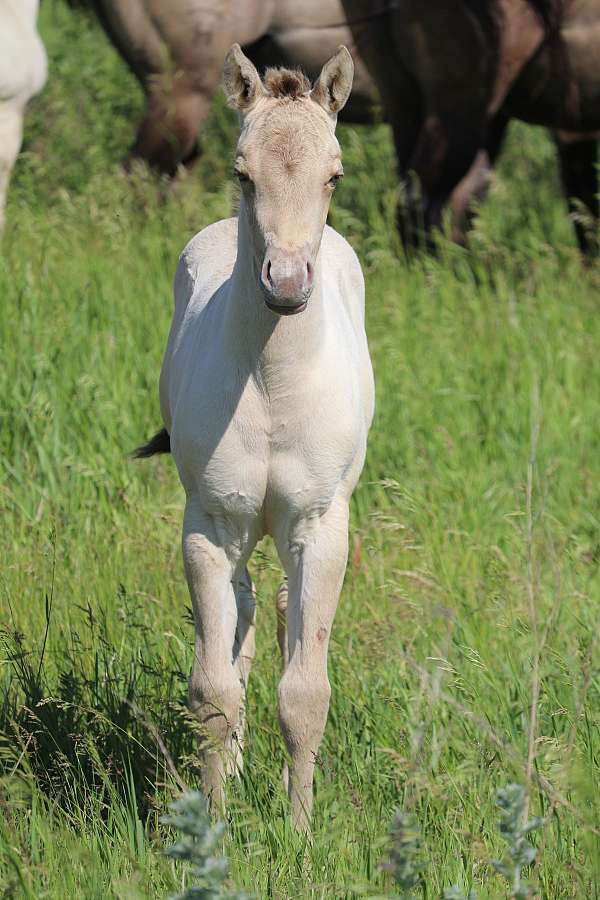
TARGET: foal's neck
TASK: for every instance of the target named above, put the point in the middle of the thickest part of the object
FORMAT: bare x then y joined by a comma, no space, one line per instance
265,338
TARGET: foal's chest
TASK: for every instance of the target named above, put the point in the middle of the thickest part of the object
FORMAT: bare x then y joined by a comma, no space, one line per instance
247,454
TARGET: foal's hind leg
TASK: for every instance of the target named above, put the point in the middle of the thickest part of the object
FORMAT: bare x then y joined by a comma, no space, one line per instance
281,607
243,653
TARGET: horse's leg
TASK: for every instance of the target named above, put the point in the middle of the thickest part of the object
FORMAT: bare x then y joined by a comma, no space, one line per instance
469,190
315,562
446,149
281,607
474,186
215,691
577,155
406,121
168,133
409,212
11,131
243,654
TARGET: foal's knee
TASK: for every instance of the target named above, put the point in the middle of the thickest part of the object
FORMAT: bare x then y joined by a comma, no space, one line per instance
303,704
215,699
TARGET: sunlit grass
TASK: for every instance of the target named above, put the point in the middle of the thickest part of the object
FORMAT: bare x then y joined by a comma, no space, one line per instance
432,652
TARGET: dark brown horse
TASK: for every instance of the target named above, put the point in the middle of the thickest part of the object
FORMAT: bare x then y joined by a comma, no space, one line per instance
452,73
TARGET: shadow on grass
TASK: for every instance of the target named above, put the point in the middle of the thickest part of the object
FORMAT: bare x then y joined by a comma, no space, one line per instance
96,714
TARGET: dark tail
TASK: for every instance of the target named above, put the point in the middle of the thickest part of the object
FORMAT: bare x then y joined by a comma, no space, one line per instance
160,443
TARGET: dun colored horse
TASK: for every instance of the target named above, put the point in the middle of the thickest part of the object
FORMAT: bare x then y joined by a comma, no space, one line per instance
176,49
267,397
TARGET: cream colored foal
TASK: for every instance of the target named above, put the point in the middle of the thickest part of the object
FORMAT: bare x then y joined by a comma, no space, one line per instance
267,397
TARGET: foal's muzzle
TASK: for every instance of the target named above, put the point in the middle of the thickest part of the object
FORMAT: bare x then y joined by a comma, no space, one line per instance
286,279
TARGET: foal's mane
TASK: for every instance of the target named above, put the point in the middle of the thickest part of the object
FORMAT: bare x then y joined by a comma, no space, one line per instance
290,83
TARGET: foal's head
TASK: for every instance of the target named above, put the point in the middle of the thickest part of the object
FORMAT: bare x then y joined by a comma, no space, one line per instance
288,163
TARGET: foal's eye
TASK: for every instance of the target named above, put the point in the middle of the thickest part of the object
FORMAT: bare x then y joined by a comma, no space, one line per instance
333,181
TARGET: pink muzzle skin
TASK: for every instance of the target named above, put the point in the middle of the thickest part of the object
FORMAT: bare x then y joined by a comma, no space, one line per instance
287,281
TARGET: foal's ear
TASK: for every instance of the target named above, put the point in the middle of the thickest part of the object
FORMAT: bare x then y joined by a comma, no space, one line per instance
241,81
332,87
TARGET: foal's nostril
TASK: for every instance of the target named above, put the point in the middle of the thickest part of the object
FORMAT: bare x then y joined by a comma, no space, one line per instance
287,274
265,275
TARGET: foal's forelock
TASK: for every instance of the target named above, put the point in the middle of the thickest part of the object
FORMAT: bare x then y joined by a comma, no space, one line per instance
286,83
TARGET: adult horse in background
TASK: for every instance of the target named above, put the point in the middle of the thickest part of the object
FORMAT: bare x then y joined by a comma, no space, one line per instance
266,394
176,49
23,71
452,73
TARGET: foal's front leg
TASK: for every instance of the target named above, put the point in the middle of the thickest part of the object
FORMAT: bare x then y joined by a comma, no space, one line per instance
315,562
215,688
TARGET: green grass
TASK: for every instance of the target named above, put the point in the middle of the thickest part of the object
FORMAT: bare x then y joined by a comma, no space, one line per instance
433,649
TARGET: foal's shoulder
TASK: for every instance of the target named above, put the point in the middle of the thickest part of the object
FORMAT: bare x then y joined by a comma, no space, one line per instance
339,255
213,242
210,254
338,249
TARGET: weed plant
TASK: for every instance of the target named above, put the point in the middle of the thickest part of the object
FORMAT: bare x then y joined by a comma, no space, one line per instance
199,845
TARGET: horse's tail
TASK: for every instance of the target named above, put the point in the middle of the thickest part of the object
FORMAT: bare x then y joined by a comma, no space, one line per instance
160,443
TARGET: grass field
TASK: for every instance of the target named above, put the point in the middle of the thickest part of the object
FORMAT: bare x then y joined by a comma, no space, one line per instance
475,536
